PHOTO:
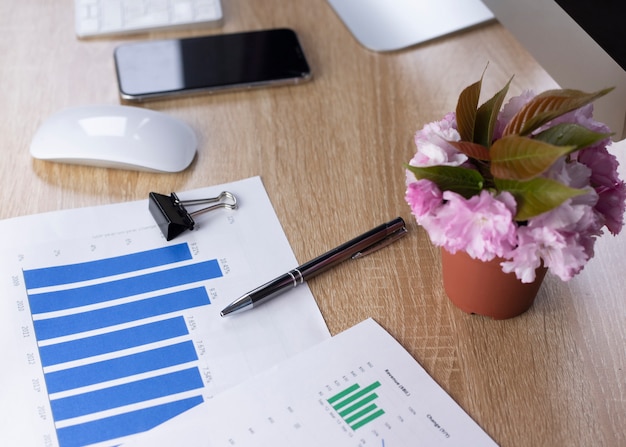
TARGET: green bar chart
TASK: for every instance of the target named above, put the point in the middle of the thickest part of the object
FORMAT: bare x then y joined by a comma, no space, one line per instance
361,388
356,405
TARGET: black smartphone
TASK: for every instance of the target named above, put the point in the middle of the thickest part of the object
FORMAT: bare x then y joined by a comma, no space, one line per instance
161,68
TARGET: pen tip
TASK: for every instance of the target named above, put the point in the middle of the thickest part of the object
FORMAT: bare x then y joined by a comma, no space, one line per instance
243,303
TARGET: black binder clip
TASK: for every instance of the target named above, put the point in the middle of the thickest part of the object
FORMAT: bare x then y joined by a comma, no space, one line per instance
171,216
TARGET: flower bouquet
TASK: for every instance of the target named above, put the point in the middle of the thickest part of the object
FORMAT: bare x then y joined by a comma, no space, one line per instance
529,184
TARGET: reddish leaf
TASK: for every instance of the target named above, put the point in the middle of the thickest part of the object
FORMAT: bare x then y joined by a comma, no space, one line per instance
472,150
466,110
548,106
486,117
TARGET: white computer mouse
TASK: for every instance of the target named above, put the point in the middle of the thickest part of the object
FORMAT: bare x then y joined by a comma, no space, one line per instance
116,136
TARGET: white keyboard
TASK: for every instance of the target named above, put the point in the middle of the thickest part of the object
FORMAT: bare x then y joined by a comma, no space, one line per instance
111,17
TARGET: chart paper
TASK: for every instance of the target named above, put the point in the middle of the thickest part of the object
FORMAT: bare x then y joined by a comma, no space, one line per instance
358,389
108,330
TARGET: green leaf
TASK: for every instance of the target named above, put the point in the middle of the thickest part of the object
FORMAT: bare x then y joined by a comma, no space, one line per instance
486,117
568,134
522,158
466,110
463,181
548,106
537,196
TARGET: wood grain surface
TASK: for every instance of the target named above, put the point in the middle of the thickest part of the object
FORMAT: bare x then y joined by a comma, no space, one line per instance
331,154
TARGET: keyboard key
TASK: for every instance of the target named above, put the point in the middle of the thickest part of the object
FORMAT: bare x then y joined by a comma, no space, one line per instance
112,17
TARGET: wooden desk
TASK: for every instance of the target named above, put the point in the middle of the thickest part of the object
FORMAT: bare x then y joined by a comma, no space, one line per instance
330,154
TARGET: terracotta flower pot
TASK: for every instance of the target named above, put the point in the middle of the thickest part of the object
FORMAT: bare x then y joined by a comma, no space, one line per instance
482,288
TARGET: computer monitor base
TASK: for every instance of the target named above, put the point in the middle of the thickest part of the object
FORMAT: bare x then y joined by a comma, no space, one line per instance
387,25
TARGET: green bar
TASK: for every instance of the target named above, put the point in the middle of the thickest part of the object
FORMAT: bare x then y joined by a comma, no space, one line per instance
355,396
367,420
360,414
345,392
358,405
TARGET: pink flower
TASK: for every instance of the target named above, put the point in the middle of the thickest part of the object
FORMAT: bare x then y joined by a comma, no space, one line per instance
563,238
610,188
423,197
482,225
432,148
561,255
611,205
571,173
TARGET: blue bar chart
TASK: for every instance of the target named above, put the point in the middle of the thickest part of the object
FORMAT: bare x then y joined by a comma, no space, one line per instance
116,352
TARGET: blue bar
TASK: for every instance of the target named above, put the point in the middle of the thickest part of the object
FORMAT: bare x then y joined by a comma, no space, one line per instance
66,274
98,293
123,313
124,424
112,341
126,394
117,368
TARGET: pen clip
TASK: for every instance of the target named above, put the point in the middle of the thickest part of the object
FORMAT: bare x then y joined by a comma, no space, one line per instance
387,240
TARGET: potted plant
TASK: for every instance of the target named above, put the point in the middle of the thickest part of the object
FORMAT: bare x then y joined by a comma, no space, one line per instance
515,190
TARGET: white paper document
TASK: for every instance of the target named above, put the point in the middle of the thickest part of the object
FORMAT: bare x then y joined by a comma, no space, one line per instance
358,389
108,330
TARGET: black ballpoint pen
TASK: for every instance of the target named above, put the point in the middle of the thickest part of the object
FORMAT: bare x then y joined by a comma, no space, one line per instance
360,246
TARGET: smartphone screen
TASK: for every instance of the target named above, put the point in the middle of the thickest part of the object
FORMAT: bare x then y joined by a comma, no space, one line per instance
204,64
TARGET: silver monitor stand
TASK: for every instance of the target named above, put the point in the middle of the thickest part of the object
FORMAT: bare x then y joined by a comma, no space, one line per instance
386,25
